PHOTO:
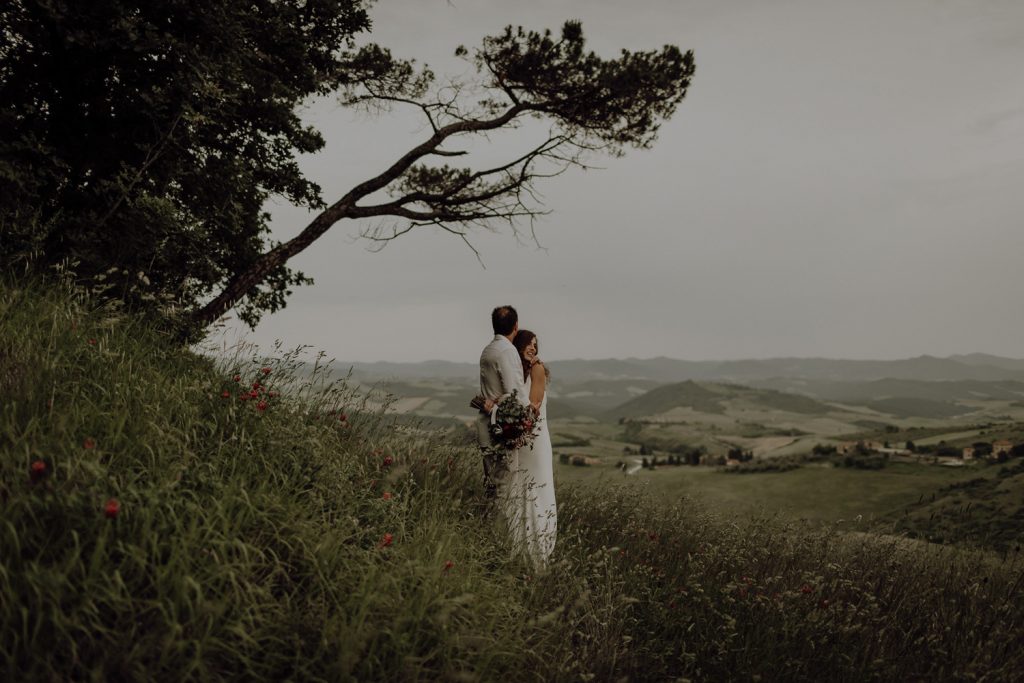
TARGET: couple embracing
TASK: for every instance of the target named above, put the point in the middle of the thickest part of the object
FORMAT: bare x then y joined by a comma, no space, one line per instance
521,481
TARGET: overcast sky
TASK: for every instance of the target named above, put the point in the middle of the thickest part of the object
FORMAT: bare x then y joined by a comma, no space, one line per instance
844,179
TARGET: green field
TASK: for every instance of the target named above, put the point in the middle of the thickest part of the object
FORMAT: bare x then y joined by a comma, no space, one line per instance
810,492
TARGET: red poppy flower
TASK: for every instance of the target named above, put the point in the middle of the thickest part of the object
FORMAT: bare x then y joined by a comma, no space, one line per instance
386,496
342,417
237,378
447,565
92,342
273,394
805,589
225,394
88,444
386,541
387,461
257,385
37,470
261,406
112,508
253,393
265,371
243,397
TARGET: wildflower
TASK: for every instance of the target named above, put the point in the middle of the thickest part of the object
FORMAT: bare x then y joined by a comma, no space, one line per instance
237,378
265,371
387,461
273,394
386,541
89,443
257,386
112,508
447,565
253,393
37,470
261,406
92,342
342,417
243,397
386,495
225,394
805,589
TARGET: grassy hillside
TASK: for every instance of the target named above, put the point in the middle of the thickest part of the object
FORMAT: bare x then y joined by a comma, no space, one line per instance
983,511
165,519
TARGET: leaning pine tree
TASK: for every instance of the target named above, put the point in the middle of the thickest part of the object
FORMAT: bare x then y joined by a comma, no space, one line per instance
592,104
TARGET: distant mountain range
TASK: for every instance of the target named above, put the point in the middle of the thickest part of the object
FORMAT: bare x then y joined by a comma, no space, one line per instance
976,366
609,389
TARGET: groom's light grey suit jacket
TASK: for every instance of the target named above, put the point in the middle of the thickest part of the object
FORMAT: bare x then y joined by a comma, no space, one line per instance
501,372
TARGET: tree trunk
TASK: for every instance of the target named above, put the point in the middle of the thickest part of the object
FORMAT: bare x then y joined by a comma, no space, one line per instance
244,282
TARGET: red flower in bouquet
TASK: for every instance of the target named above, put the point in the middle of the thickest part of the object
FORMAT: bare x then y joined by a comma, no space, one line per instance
513,425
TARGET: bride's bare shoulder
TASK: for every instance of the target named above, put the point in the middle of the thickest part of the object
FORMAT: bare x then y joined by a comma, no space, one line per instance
538,368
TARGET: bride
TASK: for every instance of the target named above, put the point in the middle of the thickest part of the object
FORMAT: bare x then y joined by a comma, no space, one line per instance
528,499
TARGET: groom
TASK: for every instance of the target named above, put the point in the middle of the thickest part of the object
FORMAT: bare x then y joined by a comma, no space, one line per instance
501,373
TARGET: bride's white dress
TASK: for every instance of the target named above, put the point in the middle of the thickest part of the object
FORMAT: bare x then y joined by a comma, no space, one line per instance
529,496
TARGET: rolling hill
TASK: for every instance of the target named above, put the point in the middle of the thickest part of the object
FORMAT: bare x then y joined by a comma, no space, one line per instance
715,399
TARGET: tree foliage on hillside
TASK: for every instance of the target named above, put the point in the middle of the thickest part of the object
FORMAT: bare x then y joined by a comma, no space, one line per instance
147,137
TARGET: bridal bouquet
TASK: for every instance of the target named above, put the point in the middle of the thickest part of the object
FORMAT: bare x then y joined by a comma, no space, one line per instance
513,425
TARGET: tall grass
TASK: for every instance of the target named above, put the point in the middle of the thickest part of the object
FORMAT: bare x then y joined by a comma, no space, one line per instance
298,535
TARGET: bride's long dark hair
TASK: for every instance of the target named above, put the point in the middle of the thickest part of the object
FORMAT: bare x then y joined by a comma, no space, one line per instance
521,341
